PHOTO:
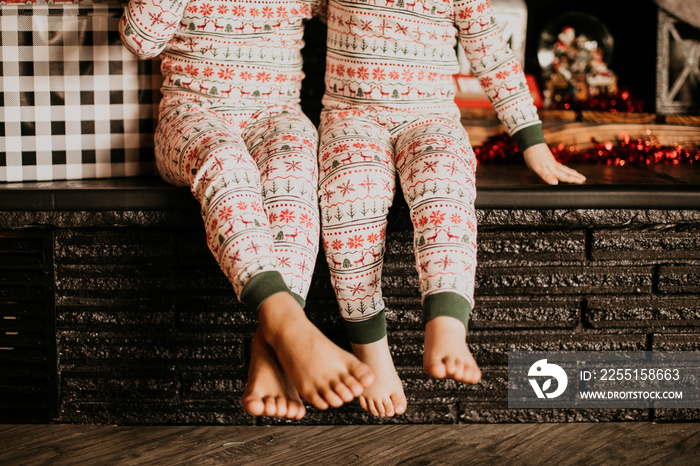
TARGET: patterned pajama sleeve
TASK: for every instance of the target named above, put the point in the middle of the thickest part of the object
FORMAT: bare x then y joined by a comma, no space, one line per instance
437,168
498,70
285,148
147,25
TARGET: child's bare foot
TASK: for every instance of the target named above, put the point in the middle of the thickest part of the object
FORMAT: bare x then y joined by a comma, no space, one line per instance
269,391
446,353
385,396
323,373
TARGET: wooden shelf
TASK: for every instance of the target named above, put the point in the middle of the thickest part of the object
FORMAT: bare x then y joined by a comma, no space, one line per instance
573,127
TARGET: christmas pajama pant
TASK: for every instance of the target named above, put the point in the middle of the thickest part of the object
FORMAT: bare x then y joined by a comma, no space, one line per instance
254,171
362,154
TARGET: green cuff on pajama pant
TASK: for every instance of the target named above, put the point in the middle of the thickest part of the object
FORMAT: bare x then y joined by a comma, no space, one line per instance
446,304
264,285
366,331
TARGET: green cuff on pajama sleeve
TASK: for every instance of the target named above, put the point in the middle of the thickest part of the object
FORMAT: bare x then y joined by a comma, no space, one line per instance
264,285
366,331
446,304
528,137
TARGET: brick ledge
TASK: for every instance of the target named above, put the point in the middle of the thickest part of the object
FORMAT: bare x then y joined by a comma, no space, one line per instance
503,187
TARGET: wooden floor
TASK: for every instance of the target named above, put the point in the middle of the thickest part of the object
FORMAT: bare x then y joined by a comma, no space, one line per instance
584,443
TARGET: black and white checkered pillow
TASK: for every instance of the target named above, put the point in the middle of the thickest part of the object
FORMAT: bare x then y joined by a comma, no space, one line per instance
74,103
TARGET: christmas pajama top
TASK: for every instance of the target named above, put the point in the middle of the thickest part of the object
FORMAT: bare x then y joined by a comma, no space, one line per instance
222,52
401,54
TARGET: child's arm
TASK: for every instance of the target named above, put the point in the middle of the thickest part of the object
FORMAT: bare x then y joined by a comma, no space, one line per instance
501,76
147,25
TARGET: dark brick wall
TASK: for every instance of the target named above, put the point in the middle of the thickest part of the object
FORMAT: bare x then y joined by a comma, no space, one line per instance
148,331
28,387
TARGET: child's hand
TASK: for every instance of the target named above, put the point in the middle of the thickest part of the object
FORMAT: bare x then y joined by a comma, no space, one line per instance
541,161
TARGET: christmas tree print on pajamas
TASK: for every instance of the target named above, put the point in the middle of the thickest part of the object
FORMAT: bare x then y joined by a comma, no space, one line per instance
389,114
231,129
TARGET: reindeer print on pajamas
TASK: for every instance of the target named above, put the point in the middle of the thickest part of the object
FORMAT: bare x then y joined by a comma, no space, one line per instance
389,117
231,128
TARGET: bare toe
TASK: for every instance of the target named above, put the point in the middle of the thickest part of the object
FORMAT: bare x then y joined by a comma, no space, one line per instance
389,407
281,407
363,403
332,398
292,410
472,375
363,374
460,370
399,402
317,400
376,408
371,408
301,412
450,366
295,410
353,384
254,406
436,369
270,406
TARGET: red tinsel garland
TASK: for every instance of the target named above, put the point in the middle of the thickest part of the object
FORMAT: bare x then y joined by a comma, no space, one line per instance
617,102
641,151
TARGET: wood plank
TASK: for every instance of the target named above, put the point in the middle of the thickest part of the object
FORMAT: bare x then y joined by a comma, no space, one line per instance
580,134
683,120
574,443
558,115
494,176
617,118
681,174
481,130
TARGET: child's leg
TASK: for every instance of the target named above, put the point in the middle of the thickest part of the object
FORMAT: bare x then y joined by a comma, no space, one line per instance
436,167
356,191
207,153
196,147
284,146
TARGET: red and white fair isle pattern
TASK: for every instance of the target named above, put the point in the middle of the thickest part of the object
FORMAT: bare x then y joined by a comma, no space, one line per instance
231,127
401,53
389,110
361,154
257,187
221,51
